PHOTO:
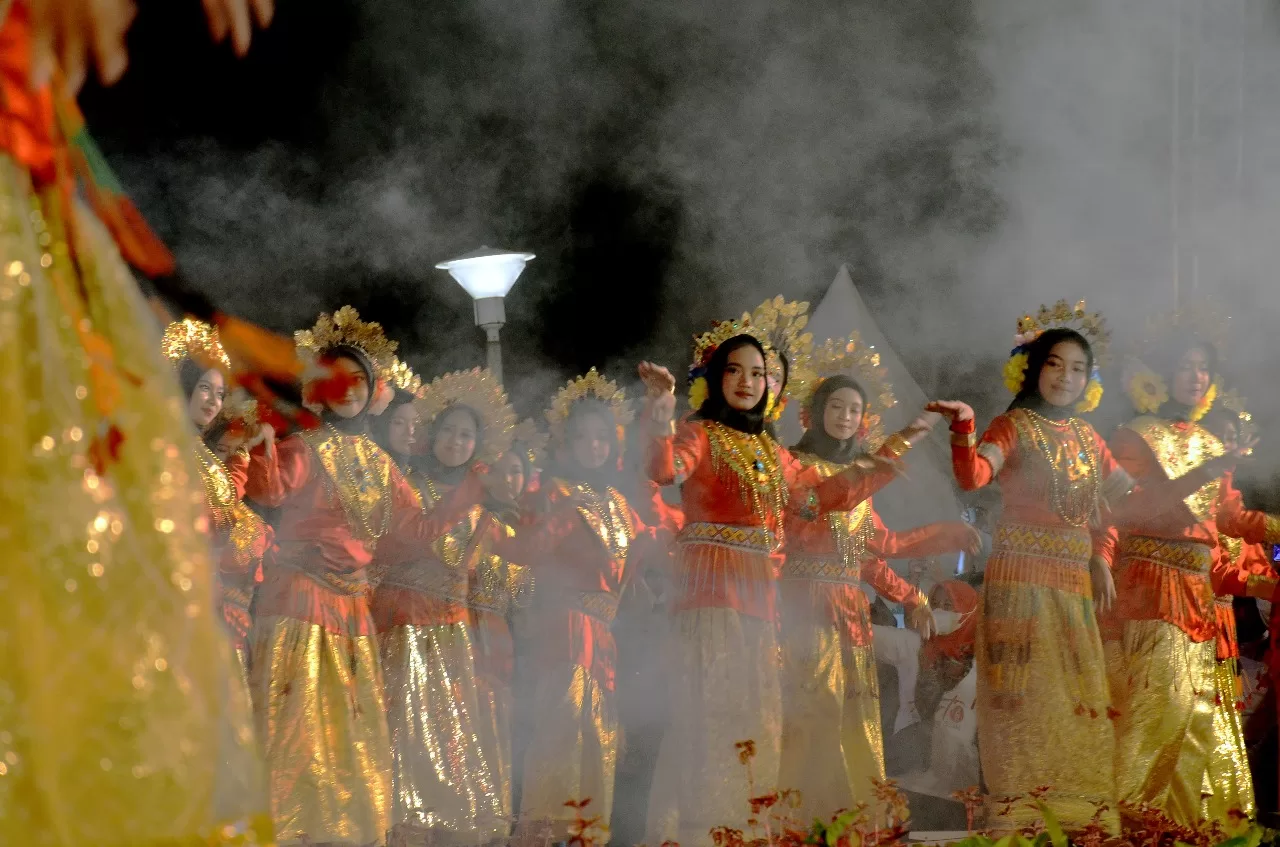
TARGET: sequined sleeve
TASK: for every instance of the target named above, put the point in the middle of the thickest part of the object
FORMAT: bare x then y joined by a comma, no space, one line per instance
278,470
811,494
1249,525
928,540
877,573
1152,493
977,463
411,524
670,459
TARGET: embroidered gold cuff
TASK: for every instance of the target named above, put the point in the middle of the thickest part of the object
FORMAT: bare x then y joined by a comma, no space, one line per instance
1260,587
897,445
964,439
1273,530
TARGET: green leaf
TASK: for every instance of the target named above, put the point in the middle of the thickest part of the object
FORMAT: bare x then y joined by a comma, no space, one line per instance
1052,827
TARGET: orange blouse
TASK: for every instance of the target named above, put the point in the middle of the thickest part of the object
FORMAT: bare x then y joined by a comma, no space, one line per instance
318,571
1170,456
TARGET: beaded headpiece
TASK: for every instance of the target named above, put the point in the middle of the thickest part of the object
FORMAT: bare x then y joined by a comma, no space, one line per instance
195,340
1198,323
241,408
1061,316
531,439
854,359
594,387
783,322
706,345
480,392
403,378
344,328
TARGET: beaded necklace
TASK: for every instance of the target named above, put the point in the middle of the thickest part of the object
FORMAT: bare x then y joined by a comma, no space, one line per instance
748,465
851,531
609,518
219,492
361,476
1073,468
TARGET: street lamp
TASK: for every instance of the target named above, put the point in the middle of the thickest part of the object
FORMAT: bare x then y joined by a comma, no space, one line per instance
487,275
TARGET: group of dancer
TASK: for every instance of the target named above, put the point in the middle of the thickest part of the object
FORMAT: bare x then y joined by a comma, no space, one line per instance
223,632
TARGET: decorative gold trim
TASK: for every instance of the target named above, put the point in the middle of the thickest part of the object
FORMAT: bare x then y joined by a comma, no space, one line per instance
964,439
589,386
897,445
344,328
195,340
851,357
479,391
1261,586
1179,555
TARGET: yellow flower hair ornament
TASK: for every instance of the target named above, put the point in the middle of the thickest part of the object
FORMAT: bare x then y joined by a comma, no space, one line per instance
1206,402
1147,391
1015,372
697,393
1092,395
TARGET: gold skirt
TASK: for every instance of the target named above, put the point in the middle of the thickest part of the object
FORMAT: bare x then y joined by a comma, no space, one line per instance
121,719
323,726
1042,706
1163,685
832,743
1232,799
439,777
573,751
724,689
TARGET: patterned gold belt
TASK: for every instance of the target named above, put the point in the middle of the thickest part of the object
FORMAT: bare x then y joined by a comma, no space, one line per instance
598,604
1223,600
821,569
1180,555
1066,545
499,604
432,578
752,539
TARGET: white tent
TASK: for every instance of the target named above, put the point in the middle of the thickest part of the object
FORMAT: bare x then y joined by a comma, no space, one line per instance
929,493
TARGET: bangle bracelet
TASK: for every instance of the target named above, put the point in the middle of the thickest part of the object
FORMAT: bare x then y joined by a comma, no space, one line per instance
897,445
964,439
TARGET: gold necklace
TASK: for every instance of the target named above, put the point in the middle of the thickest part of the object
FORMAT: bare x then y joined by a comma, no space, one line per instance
849,530
748,464
351,461
219,491
615,528
1073,474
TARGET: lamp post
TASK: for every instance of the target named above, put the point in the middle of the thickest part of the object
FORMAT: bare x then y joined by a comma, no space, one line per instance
488,275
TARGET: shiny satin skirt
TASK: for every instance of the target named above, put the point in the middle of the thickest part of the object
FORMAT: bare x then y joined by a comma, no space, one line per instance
1163,686
323,726
1232,800
832,743
121,720
724,689
573,751
439,778
1042,706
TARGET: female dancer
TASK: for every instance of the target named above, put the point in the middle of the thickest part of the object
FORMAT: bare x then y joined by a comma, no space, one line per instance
315,669
832,743
396,429
119,724
1042,685
737,486
1163,676
443,781
579,548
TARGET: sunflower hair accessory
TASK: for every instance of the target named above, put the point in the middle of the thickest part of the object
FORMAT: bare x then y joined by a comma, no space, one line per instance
402,377
1061,315
853,358
706,345
345,329
532,440
478,391
591,386
194,340
783,322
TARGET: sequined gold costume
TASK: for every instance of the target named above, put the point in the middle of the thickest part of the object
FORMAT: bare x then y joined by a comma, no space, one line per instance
440,777
1042,683
832,741
122,719
1164,676
723,652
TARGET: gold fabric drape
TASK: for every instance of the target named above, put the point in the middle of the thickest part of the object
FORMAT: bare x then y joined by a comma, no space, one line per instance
724,688
832,742
122,724
1229,775
322,723
439,777
1163,686
573,753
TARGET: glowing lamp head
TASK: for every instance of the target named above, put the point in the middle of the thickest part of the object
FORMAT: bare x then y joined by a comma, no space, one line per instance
486,272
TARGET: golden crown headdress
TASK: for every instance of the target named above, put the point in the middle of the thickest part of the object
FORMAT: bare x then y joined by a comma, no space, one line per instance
241,407
783,322
1092,325
533,441
590,386
479,391
1197,323
403,378
195,340
851,357
705,346
344,328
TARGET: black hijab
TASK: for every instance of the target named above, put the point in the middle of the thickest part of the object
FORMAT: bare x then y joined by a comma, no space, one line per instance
1037,355
716,407
565,466
432,466
815,439
359,424
380,428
